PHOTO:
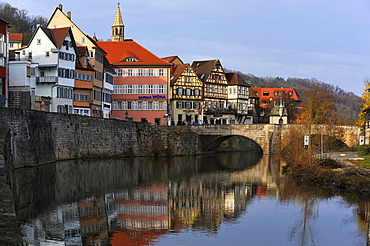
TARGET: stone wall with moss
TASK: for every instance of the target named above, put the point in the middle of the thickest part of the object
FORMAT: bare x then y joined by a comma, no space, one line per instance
31,138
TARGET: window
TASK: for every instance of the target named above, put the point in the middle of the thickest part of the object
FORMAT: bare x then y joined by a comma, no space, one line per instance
150,73
197,92
139,89
265,93
38,41
130,59
129,73
179,91
47,54
161,72
188,79
140,73
83,40
188,92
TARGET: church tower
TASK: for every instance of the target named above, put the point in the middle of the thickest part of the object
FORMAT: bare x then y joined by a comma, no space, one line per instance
118,29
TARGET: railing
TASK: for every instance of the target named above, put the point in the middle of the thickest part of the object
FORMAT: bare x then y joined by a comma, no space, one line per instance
47,79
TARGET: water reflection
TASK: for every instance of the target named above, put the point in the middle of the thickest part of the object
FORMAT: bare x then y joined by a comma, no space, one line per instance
143,201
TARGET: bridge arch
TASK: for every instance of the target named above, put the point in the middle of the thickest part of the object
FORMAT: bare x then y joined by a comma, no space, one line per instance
249,144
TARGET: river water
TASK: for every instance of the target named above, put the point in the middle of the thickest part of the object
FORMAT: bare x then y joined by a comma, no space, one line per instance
219,199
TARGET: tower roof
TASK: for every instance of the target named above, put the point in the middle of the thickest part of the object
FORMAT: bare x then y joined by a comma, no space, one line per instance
118,18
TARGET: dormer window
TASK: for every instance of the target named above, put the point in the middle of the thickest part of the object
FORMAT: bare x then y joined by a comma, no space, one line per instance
130,59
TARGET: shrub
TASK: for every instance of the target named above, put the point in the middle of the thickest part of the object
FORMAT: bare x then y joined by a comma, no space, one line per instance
363,150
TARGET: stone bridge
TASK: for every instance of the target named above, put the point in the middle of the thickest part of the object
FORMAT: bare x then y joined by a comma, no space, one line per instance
268,137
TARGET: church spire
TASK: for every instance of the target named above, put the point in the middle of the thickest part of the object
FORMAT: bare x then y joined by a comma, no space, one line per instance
118,29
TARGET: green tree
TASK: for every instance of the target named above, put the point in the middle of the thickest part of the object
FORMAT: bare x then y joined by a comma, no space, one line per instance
318,106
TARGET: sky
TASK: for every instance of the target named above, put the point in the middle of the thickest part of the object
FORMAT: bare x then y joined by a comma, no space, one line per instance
328,40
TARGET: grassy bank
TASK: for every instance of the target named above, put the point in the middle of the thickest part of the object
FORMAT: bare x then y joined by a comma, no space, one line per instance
328,173
340,176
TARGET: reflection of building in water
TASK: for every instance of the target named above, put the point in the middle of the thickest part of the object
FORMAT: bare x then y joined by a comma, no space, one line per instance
93,221
203,205
142,214
185,204
363,219
110,208
58,227
143,208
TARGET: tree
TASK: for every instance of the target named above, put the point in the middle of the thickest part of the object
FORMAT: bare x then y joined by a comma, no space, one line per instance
318,106
365,103
20,21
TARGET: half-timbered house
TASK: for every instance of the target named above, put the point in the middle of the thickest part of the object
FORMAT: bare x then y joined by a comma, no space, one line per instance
186,93
212,74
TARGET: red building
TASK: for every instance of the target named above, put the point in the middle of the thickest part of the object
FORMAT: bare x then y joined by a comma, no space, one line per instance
141,82
3,63
269,95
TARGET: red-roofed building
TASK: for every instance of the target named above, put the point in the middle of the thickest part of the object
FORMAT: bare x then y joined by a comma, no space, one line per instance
141,82
15,41
269,97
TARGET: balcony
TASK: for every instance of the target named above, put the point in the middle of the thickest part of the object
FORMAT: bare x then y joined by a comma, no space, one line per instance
47,79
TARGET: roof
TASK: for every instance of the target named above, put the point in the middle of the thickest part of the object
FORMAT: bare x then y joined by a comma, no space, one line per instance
59,35
117,52
173,59
271,92
176,71
204,68
275,111
235,79
15,36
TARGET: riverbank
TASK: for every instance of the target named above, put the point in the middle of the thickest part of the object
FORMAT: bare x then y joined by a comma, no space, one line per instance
9,228
339,175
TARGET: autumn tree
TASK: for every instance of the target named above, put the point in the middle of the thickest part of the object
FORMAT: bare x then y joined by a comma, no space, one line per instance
318,106
365,103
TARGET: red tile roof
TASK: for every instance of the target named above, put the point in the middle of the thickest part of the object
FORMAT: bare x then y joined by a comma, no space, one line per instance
269,93
59,35
15,36
118,51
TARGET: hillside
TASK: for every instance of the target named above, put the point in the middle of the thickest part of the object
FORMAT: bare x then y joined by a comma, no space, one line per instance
348,104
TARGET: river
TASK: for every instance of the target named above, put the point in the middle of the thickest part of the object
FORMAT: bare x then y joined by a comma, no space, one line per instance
219,199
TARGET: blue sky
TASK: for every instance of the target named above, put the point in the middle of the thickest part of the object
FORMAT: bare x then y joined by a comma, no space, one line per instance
324,39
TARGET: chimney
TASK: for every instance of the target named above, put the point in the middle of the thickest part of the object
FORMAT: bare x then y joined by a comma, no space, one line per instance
69,15
60,7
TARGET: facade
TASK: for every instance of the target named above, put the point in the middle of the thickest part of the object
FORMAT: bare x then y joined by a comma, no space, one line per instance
140,83
4,54
95,59
185,94
278,114
215,94
82,93
242,99
15,41
45,71
109,74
